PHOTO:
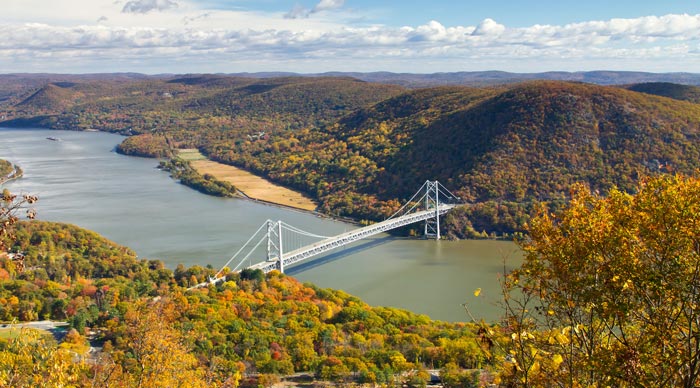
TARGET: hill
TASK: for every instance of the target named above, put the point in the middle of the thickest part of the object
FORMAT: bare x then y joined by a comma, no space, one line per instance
671,90
490,78
52,97
219,103
16,87
358,147
500,148
145,319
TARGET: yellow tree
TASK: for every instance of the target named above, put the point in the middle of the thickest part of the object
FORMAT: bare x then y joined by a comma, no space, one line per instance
608,293
33,359
152,352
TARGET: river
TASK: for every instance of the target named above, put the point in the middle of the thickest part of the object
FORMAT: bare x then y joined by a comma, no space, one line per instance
81,180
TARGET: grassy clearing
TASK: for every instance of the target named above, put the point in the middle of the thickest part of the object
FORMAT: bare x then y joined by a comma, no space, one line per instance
14,332
249,184
190,154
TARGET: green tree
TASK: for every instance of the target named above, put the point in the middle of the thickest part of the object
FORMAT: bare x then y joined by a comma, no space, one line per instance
608,293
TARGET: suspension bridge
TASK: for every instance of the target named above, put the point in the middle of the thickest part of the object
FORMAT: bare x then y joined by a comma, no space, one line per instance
287,245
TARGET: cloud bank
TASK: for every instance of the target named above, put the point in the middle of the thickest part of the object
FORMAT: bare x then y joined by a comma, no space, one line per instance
645,43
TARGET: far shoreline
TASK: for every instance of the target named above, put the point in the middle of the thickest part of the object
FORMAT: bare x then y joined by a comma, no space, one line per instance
193,156
248,184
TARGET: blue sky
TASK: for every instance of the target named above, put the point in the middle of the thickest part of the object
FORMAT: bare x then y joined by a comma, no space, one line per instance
308,36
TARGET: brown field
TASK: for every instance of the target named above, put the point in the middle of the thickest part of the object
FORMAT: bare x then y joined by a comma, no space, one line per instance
251,185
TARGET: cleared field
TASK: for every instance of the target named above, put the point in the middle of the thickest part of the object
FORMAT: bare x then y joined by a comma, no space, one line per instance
251,185
190,154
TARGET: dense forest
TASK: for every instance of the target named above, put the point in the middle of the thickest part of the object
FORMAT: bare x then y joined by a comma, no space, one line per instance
606,296
360,149
249,325
671,90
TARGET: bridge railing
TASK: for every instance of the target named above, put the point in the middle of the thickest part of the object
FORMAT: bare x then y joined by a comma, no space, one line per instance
432,196
303,253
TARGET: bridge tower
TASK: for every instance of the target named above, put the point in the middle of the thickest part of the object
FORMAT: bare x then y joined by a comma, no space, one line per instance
432,202
274,242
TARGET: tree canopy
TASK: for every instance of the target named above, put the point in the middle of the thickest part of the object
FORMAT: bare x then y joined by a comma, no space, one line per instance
608,292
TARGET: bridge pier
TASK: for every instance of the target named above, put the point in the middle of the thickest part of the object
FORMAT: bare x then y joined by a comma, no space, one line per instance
279,234
432,202
274,243
434,207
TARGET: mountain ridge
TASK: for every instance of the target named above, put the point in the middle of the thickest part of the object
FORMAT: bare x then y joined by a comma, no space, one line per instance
474,78
358,147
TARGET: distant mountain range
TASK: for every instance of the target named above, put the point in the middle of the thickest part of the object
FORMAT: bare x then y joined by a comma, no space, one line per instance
411,80
485,78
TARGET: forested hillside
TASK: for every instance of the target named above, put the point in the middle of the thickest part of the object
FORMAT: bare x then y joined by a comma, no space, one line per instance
500,149
667,89
194,104
153,328
360,148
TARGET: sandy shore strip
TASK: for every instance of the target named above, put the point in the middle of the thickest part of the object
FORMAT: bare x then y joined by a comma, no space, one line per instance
249,184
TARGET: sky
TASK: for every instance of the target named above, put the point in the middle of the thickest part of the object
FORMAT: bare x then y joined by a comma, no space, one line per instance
314,36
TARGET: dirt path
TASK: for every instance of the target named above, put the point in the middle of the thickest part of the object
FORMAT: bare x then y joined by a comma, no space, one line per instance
251,185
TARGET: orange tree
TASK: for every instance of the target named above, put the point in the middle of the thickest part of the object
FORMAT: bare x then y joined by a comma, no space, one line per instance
608,294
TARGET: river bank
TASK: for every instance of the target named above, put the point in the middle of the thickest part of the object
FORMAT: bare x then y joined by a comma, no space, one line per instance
10,172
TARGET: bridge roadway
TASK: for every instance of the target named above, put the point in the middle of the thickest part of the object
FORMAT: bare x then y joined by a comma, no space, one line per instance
330,243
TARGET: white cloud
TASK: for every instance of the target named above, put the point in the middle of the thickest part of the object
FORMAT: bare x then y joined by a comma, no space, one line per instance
489,27
192,39
325,5
300,12
145,6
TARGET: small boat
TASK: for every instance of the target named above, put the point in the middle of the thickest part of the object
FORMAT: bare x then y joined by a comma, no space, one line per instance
53,138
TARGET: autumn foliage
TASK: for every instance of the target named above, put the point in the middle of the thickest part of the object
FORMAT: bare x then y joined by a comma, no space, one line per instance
608,293
361,148
157,334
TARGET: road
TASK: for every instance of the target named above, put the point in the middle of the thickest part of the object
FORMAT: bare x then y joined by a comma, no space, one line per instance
57,329
39,325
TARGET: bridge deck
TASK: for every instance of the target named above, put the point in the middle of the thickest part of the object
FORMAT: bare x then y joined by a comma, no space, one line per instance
328,244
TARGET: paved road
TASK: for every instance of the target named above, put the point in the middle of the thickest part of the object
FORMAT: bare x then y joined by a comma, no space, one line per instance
39,325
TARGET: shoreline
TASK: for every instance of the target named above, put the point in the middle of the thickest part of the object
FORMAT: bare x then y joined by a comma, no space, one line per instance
250,185
193,155
299,210
16,174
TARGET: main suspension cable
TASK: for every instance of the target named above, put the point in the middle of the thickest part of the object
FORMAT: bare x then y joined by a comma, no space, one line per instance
409,201
241,249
